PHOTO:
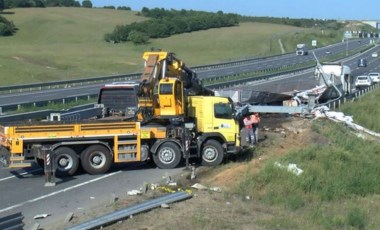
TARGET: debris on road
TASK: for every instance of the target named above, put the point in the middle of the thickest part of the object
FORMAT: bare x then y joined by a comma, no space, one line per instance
134,192
166,206
41,216
69,217
199,186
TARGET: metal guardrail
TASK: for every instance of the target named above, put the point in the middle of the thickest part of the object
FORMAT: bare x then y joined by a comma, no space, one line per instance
337,103
122,214
16,106
60,84
12,222
74,114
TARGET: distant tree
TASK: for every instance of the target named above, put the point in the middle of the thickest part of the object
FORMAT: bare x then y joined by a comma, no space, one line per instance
2,5
7,4
77,4
124,8
52,3
23,3
67,3
138,37
109,7
7,28
87,4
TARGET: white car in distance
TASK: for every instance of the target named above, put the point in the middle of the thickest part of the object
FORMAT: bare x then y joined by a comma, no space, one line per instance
375,55
363,80
375,77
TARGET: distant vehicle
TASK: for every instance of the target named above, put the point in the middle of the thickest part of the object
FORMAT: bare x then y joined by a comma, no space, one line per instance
374,54
363,80
301,49
328,52
362,62
375,77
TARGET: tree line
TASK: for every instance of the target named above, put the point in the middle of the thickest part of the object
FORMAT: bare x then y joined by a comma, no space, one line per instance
301,22
164,23
8,4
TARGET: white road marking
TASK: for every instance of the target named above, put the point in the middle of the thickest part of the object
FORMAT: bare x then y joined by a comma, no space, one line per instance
57,192
21,174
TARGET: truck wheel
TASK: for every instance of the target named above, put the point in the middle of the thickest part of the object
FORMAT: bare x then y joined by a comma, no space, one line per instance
96,159
168,156
67,161
212,153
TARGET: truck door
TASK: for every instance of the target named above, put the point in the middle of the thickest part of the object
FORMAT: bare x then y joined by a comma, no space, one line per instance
223,121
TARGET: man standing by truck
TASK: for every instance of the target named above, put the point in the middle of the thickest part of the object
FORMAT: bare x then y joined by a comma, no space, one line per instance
251,123
255,118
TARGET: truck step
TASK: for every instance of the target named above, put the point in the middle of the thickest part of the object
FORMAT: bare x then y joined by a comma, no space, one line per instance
131,151
19,164
17,158
127,142
18,161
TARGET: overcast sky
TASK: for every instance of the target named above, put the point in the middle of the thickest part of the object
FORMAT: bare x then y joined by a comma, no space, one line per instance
321,9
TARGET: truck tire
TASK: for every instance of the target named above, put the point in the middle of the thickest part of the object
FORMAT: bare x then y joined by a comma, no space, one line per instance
96,159
212,153
67,161
168,156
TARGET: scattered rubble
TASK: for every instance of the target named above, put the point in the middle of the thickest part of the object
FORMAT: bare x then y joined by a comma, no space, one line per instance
324,112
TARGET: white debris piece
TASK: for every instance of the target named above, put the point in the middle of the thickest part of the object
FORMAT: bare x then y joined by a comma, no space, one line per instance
199,186
41,216
134,192
165,206
154,186
322,112
192,176
291,168
216,189
294,169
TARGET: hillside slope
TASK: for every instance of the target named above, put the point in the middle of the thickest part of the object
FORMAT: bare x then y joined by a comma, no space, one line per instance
67,43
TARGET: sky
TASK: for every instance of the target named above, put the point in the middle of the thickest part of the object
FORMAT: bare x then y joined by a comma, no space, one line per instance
318,9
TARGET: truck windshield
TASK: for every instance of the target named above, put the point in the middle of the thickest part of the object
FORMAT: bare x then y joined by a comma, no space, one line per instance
223,111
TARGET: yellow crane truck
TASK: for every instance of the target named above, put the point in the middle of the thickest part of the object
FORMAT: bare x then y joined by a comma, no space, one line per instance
177,118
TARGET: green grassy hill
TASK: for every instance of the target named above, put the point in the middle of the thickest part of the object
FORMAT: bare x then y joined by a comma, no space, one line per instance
67,43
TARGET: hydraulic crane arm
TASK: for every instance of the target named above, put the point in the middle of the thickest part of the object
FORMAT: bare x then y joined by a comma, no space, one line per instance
164,86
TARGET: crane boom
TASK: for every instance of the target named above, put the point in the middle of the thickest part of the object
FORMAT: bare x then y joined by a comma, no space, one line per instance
165,83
